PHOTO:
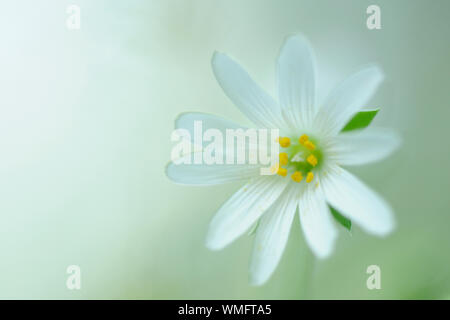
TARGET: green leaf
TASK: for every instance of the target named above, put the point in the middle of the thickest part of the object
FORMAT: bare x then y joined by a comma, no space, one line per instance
361,120
341,219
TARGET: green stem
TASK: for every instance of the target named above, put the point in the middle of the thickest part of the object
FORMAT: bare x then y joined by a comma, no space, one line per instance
308,275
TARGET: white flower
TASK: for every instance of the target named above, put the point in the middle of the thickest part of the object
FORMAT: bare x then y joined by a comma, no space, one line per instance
311,176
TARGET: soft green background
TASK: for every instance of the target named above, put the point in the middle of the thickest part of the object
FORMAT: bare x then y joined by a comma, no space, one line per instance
85,124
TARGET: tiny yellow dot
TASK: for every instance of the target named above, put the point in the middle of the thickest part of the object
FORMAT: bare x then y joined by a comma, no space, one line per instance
312,160
309,177
297,176
310,145
303,138
285,142
282,172
284,158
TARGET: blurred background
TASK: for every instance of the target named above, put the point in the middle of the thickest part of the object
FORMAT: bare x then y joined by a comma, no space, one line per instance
85,123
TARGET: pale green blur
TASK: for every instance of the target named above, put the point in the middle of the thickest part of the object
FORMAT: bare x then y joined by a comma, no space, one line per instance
85,124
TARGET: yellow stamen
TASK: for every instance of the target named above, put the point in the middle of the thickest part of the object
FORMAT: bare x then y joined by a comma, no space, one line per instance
297,176
303,138
312,160
282,172
309,177
285,142
310,145
284,158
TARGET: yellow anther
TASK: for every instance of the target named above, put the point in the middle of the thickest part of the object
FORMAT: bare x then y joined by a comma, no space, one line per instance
303,138
282,172
297,176
309,177
310,145
312,160
284,158
285,142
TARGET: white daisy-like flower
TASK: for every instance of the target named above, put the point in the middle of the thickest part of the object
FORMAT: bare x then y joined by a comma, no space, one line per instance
314,148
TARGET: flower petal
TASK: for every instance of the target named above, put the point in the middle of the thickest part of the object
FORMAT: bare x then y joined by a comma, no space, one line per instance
208,121
207,175
242,210
272,235
364,146
317,222
253,101
185,171
347,99
296,82
357,202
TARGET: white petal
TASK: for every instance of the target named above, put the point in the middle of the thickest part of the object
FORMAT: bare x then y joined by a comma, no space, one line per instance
347,99
206,175
208,121
364,146
242,210
202,174
296,82
272,235
357,202
253,101
317,222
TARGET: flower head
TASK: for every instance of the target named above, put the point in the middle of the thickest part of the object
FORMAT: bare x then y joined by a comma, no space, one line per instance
310,177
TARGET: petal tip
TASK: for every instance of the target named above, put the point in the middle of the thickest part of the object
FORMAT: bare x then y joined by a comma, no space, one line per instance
298,38
212,244
178,119
167,169
213,240
297,43
376,71
387,229
324,253
257,281
216,57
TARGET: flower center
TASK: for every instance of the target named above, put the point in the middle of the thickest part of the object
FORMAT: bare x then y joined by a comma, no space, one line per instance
298,159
